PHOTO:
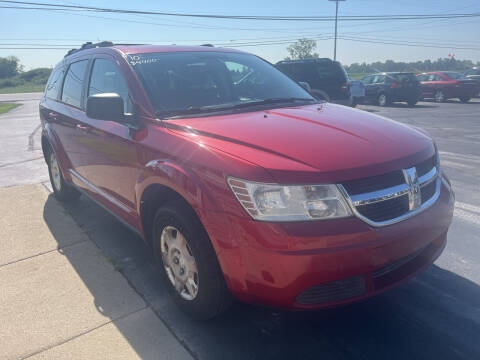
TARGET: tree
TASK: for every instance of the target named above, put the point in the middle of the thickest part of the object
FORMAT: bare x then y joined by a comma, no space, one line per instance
302,49
9,66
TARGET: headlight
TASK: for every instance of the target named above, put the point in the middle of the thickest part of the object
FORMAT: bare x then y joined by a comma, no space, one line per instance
271,202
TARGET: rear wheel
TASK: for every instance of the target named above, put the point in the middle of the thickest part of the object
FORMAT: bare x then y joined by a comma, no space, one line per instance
439,96
189,262
62,190
412,102
465,99
383,100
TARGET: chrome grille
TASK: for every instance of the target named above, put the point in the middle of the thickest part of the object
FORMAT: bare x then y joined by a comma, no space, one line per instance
392,197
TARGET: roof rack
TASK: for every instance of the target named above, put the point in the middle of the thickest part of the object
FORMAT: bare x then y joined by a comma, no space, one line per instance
90,45
208,45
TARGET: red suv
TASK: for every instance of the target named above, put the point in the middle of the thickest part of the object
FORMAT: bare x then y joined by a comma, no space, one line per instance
443,85
241,181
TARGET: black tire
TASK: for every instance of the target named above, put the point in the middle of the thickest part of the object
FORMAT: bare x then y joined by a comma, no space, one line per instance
412,103
439,96
465,99
213,296
383,100
62,190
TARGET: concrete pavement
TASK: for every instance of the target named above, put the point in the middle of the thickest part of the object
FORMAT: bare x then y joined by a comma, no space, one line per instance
60,297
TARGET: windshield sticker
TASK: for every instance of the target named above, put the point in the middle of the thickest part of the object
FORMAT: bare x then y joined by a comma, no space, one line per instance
138,60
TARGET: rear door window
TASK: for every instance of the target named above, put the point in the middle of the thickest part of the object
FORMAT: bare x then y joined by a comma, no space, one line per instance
73,83
407,77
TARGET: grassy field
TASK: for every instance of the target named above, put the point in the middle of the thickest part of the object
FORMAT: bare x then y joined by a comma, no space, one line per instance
22,89
358,76
7,107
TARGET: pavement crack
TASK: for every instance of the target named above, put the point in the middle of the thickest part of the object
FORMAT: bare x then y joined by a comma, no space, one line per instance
31,140
44,253
83,333
20,162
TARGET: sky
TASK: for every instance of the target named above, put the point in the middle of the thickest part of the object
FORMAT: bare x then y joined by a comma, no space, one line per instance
36,28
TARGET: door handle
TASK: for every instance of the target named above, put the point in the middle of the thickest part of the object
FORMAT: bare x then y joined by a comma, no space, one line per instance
81,127
52,114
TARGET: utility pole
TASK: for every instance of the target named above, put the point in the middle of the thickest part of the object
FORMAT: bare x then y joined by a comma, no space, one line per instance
336,18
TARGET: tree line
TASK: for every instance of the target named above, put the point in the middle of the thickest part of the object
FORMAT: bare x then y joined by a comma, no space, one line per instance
305,48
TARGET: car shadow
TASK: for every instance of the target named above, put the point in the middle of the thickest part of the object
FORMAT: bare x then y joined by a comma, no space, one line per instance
435,315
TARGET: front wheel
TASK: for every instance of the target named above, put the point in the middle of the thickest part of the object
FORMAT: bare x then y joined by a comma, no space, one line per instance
439,96
383,100
190,266
411,103
465,99
62,190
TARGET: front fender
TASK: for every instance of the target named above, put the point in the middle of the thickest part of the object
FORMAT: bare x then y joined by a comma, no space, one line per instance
200,196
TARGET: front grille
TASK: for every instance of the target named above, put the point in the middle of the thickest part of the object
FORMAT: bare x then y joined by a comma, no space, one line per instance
425,166
385,210
374,183
332,291
428,191
383,199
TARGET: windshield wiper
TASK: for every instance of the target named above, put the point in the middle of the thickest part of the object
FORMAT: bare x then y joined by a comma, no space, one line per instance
255,102
220,107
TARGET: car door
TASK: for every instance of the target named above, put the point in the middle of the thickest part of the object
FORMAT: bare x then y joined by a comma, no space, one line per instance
110,167
369,87
66,113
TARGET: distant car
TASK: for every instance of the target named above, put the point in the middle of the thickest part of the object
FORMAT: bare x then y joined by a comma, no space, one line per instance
357,92
443,85
386,88
327,78
474,73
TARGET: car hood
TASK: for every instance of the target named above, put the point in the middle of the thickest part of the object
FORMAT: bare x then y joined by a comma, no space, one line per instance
321,142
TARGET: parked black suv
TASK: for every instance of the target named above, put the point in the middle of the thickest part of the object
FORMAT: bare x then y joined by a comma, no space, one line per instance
386,88
327,78
474,73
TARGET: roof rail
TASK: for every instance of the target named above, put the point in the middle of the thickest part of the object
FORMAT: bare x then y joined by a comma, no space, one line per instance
208,45
90,45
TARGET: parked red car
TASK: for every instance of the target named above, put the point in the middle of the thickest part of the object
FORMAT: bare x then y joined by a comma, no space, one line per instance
443,85
241,181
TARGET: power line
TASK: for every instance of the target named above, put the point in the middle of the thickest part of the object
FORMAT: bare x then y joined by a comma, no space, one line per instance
252,17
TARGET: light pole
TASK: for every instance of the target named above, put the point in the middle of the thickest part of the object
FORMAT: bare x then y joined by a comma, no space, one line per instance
336,18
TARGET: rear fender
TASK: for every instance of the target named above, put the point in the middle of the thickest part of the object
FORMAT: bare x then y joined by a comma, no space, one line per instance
49,134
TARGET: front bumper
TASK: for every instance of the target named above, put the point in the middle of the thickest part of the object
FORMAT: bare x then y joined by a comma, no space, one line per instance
317,264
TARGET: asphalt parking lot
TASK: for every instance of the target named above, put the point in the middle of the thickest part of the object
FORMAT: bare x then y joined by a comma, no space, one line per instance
436,315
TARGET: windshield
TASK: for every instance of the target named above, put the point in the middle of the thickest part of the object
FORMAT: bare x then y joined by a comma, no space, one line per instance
191,82
454,75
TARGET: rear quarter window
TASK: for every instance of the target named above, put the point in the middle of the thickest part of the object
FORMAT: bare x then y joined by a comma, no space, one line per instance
54,83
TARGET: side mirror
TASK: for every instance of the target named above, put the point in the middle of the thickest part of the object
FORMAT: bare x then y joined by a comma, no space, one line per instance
105,106
305,85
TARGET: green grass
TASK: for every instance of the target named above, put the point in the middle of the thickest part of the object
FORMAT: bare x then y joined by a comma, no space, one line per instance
358,76
26,88
7,107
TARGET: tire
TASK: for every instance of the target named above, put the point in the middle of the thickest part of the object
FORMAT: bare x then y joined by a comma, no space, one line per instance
383,100
62,190
439,96
412,103
465,99
188,262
